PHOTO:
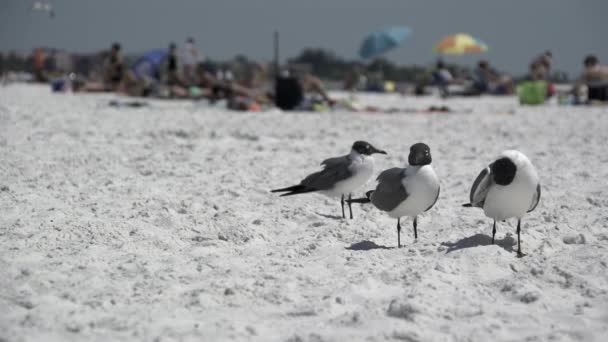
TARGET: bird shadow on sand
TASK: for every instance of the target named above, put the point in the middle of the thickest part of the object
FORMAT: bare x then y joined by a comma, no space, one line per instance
366,246
480,240
333,217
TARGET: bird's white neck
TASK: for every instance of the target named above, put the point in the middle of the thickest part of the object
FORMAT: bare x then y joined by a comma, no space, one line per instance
356,156
416,168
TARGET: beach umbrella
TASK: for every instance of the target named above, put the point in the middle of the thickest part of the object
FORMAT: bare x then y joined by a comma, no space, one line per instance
148,65
460,44
380,42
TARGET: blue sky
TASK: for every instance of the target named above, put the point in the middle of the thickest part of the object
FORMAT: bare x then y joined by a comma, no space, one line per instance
515,30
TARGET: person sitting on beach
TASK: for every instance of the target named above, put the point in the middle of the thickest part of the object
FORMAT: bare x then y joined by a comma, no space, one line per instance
114,71
536,72
355,79
540,68
255,76
488,80
442,78
211,88
595,77
291,89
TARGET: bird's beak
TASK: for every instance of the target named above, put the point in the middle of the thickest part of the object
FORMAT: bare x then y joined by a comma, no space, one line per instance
375,150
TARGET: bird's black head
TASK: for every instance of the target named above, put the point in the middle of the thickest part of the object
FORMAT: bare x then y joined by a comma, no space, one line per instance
365,148
503,171
420,154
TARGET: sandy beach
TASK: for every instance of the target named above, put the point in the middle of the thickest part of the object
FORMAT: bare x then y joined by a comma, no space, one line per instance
157,224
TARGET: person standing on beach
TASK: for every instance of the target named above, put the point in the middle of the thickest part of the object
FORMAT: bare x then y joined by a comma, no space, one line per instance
173,77
115,70
190,58
39,59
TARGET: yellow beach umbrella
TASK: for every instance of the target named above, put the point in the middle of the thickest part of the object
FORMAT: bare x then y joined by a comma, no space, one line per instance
460,44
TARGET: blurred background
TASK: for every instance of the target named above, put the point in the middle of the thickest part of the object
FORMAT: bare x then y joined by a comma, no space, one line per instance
515,30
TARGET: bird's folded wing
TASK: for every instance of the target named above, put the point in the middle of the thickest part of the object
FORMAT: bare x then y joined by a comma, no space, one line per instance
343,160
336,170
390,191
436,198
480,188
535,198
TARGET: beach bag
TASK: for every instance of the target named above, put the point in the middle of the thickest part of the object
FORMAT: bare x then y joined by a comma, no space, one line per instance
532,92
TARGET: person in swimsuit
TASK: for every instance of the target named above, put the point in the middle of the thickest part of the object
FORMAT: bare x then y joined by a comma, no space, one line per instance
595,77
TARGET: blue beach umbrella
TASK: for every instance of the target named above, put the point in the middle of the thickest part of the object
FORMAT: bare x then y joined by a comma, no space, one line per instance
378,43
148,65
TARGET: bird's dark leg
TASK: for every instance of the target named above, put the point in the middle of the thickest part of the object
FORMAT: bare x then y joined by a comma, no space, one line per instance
342,202
518,237
399,232
493,231
350,208
416,227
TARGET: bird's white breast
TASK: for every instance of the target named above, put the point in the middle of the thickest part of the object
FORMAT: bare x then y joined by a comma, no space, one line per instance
362,169
514,199
422,186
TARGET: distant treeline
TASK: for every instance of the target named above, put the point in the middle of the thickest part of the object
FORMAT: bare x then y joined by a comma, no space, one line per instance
322,63
327,65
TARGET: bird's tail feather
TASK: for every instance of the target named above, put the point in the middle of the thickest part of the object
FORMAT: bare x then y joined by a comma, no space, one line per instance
303,191
294,190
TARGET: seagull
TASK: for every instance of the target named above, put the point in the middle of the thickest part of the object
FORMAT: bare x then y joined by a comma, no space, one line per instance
406,191
340,176
43,6
508,187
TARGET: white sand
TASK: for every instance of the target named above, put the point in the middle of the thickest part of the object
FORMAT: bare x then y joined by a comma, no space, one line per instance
156,224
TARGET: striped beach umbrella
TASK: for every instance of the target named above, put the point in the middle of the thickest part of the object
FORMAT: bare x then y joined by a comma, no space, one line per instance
460,44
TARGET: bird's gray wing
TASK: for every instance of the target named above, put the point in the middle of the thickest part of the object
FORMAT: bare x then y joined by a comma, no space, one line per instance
535,198
335,170
480,188
343,160
390,191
